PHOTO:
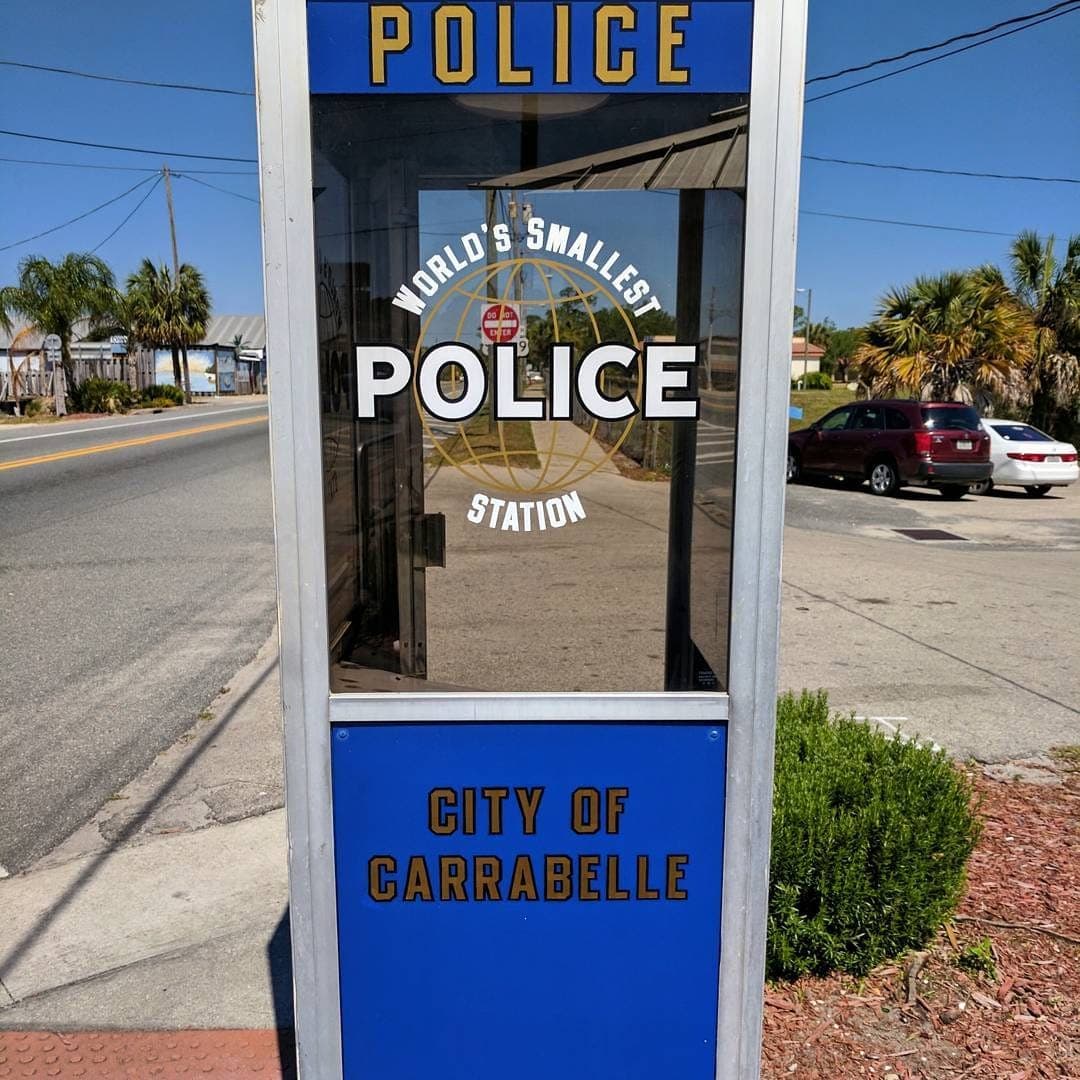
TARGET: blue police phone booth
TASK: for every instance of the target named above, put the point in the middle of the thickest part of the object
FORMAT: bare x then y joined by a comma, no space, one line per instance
529,269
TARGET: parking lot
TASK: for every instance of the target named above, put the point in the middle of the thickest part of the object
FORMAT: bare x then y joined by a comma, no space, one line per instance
969,642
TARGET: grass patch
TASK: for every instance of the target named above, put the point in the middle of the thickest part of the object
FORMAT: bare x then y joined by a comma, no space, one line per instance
1069,754
517,440
816,403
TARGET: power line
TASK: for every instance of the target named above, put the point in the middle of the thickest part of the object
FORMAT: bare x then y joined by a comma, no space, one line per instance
940,44
138,206
214,187
129,149
86,214
908,224
126,168
129,82
943,172
943,56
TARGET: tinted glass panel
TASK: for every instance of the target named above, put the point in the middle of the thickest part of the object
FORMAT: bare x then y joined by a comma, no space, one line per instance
895,420
835,421
1021,433
543,538
951,418
869,418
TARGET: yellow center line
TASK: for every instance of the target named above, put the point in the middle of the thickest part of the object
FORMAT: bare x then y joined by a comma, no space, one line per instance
122,444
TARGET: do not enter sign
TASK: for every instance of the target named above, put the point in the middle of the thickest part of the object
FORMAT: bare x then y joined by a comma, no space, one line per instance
499,323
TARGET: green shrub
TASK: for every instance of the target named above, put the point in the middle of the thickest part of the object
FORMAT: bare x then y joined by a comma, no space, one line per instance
38,406
871,837
102,396
160,403
174,395
814,380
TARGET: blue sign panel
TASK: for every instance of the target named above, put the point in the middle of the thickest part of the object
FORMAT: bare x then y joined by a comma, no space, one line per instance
528,900
529,46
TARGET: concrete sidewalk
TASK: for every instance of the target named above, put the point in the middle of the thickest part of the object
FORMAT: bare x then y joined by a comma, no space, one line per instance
168,909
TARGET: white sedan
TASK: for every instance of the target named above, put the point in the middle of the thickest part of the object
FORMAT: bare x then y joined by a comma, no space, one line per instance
1024,456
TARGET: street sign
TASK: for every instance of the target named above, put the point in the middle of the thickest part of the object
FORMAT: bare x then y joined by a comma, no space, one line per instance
118,344
500,323
51,342
528,644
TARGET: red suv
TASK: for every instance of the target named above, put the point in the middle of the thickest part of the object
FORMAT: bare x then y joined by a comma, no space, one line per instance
893,443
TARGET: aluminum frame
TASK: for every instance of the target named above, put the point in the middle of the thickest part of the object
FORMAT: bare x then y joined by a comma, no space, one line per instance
283,107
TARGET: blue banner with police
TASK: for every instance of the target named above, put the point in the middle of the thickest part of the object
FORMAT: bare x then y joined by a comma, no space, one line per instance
529,47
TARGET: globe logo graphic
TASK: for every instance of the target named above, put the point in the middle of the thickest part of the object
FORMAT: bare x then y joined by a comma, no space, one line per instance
566,451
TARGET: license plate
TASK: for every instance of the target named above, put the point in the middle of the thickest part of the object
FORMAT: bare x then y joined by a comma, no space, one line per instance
1053,457
963,444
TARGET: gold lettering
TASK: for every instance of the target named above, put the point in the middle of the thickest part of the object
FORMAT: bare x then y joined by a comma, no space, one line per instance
588,866
462,14
626,18
452,877
487,873
417,882
522,881
616,797
670,40
562,43
613,890
643,890
438,823
558,871
468,811
585,811
676,868
382,17
508,74
529,801
495,796
378,888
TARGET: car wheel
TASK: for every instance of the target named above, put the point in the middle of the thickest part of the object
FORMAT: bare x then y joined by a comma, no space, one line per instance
954,491
1037,491
884,479
794,466
981,487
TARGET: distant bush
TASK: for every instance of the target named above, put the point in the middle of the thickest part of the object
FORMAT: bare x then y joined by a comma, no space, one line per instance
814,380
160,403
871,837
39,406
102,396
166,393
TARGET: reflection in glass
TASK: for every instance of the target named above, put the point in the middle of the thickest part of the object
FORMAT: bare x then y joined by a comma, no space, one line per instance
534,554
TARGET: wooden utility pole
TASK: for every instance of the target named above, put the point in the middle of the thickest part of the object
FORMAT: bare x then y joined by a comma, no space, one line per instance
172,221
176,273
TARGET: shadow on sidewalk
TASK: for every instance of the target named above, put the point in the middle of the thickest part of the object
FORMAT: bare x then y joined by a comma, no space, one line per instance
279,961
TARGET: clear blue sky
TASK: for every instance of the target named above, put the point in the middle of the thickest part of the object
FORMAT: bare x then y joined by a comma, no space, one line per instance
1010,106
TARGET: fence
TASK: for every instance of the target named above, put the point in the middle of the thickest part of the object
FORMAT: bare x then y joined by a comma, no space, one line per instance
28,377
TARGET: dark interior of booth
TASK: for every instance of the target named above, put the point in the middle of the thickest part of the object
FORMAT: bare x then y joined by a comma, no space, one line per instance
376,158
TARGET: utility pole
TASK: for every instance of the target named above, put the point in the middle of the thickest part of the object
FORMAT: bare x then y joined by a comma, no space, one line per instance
176,273
172,222
806,337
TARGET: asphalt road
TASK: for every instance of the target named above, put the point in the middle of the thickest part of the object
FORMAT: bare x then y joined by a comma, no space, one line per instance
136,577
968,642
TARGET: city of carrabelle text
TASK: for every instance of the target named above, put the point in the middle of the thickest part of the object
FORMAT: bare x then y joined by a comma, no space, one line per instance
498,811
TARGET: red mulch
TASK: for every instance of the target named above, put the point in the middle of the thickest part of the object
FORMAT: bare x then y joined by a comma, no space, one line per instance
1022,1022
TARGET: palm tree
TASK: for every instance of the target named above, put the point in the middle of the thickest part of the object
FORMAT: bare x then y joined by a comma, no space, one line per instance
55,297
194,306
1049,291
946,337
168,314
153,318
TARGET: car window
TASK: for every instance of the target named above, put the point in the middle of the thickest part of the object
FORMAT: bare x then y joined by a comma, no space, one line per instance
895,420
869,418
1020,433
951,418
835,421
